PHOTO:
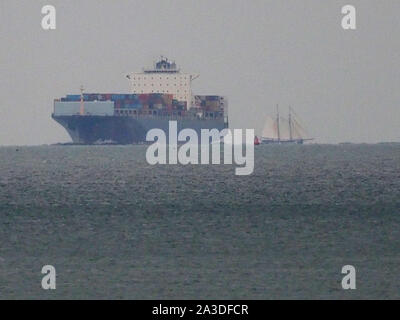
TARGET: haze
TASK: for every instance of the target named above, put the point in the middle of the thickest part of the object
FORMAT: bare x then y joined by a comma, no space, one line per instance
343,84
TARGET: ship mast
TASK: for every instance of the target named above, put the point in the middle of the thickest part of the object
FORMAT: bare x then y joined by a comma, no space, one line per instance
277,123
290,124
82,110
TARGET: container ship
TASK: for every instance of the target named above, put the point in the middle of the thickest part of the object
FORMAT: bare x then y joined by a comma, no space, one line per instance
157,95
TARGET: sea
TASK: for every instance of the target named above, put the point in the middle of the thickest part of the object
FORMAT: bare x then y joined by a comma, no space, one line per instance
115,227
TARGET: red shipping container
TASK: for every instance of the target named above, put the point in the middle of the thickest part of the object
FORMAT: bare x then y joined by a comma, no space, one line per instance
144,98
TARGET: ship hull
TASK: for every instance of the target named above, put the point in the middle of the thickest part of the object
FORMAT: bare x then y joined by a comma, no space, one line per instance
126,130
275,141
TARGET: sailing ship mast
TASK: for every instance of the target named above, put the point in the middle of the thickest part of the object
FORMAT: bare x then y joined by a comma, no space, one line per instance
290,124
277,123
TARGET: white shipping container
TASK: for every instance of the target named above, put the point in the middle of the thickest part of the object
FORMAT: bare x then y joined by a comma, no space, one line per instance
94,108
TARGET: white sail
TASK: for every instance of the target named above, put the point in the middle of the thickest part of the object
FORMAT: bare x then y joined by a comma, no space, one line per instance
284,129
270,130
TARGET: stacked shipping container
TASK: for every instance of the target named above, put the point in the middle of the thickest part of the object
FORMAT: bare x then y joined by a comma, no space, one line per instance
206,105
209,103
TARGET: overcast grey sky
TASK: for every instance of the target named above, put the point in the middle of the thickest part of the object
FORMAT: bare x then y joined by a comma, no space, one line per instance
343,84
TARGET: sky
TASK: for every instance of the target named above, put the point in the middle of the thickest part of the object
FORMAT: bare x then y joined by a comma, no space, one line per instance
344,84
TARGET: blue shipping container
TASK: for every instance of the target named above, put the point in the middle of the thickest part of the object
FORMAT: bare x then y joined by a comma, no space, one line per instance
73,97
118,97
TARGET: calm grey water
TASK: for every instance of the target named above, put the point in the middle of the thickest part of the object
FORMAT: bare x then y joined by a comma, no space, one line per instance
115,227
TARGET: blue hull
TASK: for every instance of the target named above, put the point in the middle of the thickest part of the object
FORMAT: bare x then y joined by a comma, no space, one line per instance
126,129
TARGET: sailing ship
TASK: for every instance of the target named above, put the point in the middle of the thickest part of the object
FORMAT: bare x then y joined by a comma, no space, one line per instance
281,130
